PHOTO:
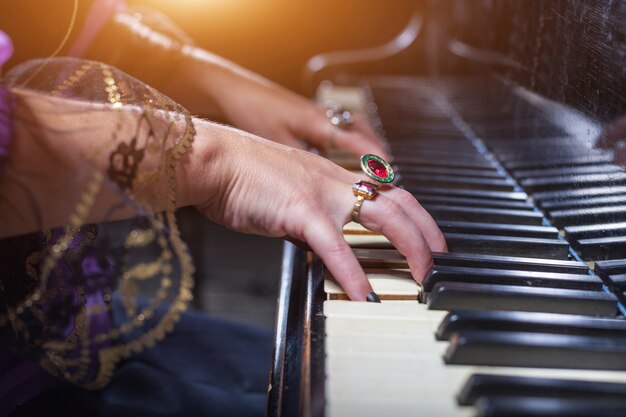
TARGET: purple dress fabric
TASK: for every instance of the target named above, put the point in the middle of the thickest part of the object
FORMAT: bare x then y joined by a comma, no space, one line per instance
20,379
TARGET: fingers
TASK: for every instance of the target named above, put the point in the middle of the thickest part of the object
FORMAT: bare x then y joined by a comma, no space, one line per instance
395,214
418,215
355,142
359,138
328,242
387,216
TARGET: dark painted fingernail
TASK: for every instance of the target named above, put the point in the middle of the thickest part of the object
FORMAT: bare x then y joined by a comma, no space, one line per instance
373,298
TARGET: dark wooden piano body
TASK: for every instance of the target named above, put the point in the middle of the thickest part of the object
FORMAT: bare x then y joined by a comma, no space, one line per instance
538,90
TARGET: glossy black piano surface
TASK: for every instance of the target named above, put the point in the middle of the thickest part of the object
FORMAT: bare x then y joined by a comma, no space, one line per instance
514,140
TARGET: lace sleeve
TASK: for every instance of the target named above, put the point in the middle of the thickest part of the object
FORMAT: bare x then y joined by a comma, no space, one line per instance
80,297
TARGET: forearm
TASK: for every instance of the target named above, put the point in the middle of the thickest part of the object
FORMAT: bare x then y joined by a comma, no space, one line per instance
148,46
202,78
156,51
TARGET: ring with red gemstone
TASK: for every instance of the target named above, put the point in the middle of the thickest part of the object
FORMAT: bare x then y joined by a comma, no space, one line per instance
362,190
377,168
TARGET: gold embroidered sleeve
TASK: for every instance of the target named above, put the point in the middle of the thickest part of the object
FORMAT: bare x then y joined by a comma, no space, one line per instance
105,272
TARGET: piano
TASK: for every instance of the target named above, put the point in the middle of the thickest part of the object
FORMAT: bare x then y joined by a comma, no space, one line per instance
513,135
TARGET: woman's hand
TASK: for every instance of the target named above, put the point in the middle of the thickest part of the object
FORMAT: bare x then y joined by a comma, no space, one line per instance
211,86
256,186
237,179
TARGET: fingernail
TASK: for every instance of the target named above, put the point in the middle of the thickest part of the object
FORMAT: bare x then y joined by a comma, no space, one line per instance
373,298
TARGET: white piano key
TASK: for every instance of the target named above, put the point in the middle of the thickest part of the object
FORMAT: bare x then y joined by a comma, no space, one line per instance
394,283
419,406
368,241
353,228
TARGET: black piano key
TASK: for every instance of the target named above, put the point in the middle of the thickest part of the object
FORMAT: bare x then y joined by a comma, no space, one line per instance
563,171
499,124
507,246
602,158
523,155
536,350
496,113
459,192
404,135
601,248
507,277
614,266
380,258
489,385
428,144
391,258
521,406
419,146
458,162
578,193
549,146
510,262
462,296
516,321
614,200
588,215
452,181
499,108
475,202
572,182
482,214
471,155
498,229
595,230
479,173
488,131
421,129
617,282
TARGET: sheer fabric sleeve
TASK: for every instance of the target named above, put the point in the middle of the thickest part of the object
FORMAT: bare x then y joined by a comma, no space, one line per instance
114,277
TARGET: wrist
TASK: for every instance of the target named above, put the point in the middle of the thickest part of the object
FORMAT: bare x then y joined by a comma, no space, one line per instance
202,171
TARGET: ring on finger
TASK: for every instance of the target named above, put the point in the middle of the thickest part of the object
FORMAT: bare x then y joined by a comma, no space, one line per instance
362,190
377,168
339,116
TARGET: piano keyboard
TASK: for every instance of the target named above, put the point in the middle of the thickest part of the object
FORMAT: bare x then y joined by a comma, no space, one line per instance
384,359
524,316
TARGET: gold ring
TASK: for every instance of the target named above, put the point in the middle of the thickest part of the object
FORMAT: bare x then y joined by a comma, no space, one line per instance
363,190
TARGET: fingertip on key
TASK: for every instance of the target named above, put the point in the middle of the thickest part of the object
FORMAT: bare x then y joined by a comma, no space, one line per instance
420,277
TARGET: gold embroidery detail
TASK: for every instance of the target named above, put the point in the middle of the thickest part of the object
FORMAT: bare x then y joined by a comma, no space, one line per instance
114,95
139,238
72,79
143,270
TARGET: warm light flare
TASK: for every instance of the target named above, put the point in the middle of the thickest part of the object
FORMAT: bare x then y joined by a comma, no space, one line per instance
198,7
